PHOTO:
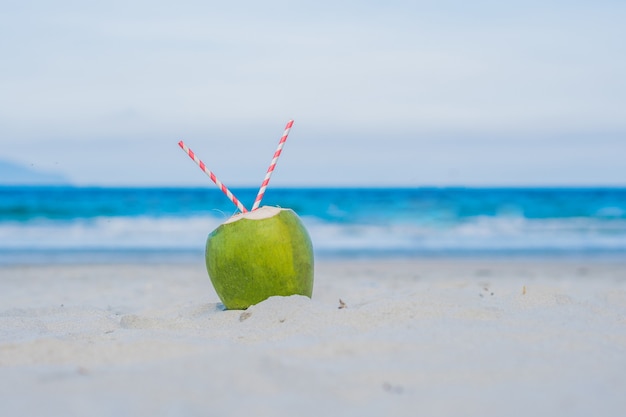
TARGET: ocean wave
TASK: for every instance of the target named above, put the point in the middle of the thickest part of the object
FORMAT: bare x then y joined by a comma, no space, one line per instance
480,233
108,233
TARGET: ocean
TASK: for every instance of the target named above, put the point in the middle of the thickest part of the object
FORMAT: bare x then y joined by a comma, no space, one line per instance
88,224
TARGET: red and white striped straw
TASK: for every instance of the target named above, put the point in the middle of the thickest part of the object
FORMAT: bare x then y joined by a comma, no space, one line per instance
211,175
270,170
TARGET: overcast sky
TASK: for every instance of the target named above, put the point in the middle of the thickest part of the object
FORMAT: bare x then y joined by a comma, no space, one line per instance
383,93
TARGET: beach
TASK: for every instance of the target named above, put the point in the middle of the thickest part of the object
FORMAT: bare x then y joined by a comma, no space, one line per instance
445,336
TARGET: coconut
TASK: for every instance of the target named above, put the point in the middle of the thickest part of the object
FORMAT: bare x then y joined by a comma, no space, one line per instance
259,254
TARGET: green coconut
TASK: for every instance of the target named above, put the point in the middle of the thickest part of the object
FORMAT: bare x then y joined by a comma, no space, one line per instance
259,254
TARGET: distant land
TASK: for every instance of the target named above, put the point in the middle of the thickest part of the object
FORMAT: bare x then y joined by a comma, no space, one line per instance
12,173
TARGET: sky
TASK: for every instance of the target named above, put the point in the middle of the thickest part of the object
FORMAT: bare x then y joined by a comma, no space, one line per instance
394,93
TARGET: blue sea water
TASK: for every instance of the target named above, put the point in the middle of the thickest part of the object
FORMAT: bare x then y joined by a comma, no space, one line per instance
64,223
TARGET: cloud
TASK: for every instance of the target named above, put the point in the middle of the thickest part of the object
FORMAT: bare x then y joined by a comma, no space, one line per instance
350,73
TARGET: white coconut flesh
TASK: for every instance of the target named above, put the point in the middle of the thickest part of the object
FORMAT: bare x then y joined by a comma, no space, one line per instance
261,213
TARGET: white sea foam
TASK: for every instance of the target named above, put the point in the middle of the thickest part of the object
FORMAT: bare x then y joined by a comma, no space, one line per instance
190,233
109,233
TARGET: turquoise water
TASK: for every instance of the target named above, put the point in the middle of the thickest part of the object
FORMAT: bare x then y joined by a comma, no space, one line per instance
114,223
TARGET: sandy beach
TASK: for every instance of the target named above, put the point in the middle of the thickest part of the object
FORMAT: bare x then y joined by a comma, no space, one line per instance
445,337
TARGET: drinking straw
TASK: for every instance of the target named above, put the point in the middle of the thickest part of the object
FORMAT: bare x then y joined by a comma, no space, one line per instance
211,175
270,170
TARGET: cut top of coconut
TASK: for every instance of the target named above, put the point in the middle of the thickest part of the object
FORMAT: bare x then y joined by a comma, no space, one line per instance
258,214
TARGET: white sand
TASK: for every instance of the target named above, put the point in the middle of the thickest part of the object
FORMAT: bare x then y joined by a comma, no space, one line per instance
440,337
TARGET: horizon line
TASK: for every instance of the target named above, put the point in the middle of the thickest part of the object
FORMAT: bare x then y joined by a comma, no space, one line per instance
318,186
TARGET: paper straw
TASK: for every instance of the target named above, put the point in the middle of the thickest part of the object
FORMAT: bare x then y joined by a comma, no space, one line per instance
211,175
270,170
